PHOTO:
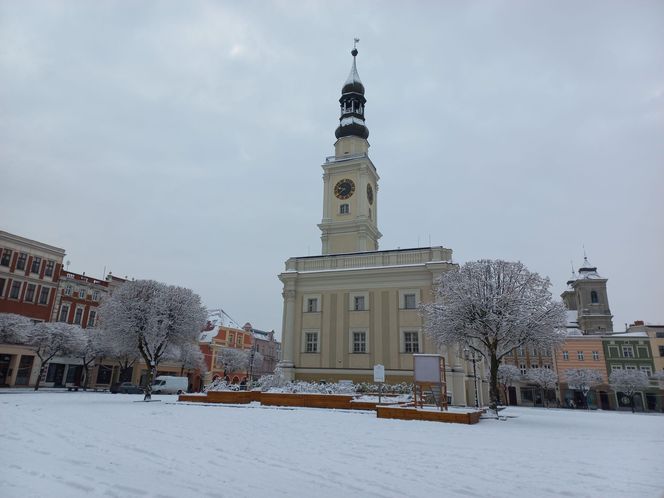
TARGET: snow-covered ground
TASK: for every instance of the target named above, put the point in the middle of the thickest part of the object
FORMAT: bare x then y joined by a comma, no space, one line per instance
99,444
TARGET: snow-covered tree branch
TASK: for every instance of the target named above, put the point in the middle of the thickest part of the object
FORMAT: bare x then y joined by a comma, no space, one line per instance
544,378
583,379
494,307
629,382
49,339
508,375
14,329
155,317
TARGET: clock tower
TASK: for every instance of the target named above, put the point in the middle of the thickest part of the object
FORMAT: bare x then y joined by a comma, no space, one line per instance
350,180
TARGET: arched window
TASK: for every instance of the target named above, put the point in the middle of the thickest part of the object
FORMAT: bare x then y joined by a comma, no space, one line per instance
593,297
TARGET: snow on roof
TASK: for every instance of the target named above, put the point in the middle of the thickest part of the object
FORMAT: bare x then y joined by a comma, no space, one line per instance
208,335
588,271
629,334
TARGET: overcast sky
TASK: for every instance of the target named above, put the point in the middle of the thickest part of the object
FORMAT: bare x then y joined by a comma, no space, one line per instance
182,141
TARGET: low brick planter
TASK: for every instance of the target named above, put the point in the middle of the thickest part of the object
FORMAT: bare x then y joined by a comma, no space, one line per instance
342,401
193,398
233,397
407,413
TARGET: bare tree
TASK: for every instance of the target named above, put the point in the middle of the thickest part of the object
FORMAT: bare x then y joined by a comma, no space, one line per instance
583,379
629,382
508,375
544,378
14,328
154,315
49,339
494,307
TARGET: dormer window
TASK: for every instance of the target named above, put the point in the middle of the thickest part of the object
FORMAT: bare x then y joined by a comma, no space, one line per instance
593,297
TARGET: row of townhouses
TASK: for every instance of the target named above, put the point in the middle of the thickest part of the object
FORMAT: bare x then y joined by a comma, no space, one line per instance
35,283
591,343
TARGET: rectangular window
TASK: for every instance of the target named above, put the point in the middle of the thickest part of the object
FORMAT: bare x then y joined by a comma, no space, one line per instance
643,352
50,265
78,316
344,209
547,366
95,296
15,291
359,342
613,352
68,290
43,295
358,303
64,313
409,301
91,318
82,293
411,342
596,355
661,348
311,342
30,293
6,257
615,367
630,367
238,341
523,368
659,335
20,262
2,287
36,264
522,351
312,305
579,355
628,351
647,370
104,374
231,339
565,355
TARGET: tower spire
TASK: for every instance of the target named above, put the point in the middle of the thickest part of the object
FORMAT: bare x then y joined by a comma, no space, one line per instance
351,121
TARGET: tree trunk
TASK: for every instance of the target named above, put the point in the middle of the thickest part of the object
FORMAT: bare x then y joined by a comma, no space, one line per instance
86,372
42,367
494,393
148,386
631,402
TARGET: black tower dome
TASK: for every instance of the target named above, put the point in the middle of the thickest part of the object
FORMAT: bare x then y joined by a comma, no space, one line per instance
351,122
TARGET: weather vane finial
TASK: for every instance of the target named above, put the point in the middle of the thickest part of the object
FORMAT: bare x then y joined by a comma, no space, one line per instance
354,51
355,42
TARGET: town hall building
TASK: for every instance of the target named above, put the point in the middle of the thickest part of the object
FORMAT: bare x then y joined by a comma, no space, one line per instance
355,306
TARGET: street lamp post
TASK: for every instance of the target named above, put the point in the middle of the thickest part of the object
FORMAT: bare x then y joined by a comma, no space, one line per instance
470,356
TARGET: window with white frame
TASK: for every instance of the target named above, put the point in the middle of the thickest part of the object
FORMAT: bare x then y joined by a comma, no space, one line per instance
627,351
43,295
565,355
359,341
36,264
15,290
78,316
30,293
547,366
521,351
579,355
411,341
344,209
616,367
358,303
20,262
68,290
311,341
64,313
95,295
596,355
92,316
523,368
409,301
630,367
6,257
82,292
50,265
646,369
312,305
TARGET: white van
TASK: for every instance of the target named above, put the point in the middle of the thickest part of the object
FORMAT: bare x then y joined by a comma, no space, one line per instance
167,384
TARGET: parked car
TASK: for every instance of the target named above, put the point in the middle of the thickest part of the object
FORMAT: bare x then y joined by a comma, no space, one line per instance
126,388
167,384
